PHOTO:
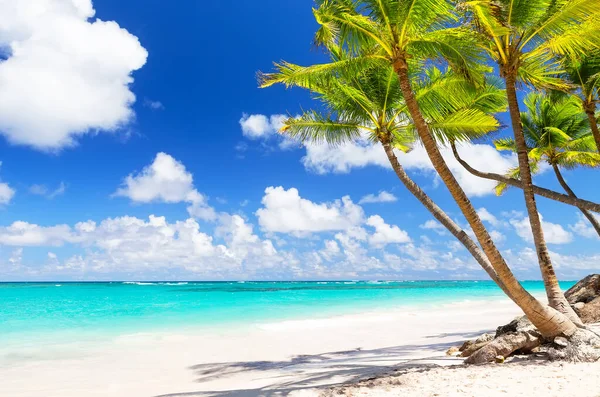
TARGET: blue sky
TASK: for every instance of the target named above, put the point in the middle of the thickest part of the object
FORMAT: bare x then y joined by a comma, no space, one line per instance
145,150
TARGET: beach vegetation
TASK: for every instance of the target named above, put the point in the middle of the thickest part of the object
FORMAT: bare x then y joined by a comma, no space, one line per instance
375,87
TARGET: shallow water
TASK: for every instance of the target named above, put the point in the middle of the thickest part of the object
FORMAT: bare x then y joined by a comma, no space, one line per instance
31,312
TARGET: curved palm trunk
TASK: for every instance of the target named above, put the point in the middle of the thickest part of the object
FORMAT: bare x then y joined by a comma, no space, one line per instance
590,217
540,191
549,322
556,298
590,111
442,217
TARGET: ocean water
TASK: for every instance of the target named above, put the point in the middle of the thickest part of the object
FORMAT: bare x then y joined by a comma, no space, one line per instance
32,312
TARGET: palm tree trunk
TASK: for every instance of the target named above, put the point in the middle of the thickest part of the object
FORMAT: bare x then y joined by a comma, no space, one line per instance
540,191
590,110
549,322
590,217
442,217
556,298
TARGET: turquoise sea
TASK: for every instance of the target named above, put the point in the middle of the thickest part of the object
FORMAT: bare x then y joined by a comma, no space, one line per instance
30,312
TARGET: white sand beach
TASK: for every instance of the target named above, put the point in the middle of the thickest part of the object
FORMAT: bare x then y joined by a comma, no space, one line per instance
298,358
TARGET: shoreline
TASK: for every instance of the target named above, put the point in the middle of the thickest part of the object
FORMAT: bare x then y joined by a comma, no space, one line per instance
271,357
193,323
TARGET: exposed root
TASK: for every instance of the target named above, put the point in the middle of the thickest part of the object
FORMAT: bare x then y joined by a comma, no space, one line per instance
521,337
472,348
504,346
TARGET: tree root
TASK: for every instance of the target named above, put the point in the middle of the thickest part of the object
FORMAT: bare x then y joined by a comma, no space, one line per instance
504,346
472,348
519,336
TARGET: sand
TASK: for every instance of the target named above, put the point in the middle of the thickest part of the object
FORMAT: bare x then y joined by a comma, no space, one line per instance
518,378
298,358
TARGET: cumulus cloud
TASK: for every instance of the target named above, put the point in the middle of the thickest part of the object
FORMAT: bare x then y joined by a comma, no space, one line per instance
23,234
257,126
166,180
584,228
568,266
155,248
15,259
554,233
6,192
331,250
381,197
324,159
262,127
497,236
434,225
284,211
487,216
65,75
384,233
130,243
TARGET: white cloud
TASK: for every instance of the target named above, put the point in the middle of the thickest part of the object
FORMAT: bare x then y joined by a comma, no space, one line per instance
384,233
154,248
553,233
242,242
65,75
497,236
355,253
284,211
22,234
43,190
255,126
434,225
154,105
486,216
381,197
259,126
568,267
584,228
331,250
131,244
16,257
325,159
6,192
166,180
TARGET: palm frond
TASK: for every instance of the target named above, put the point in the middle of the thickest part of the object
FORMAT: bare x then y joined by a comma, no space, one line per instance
317,128
505,144
315,76
456,46
463,125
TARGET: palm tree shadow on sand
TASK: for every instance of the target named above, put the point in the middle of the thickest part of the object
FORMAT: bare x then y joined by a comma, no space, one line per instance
279,378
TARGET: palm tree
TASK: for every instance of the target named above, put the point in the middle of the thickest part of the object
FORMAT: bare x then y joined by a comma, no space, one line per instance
584,74
525,38
370,106
557,132
405,34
